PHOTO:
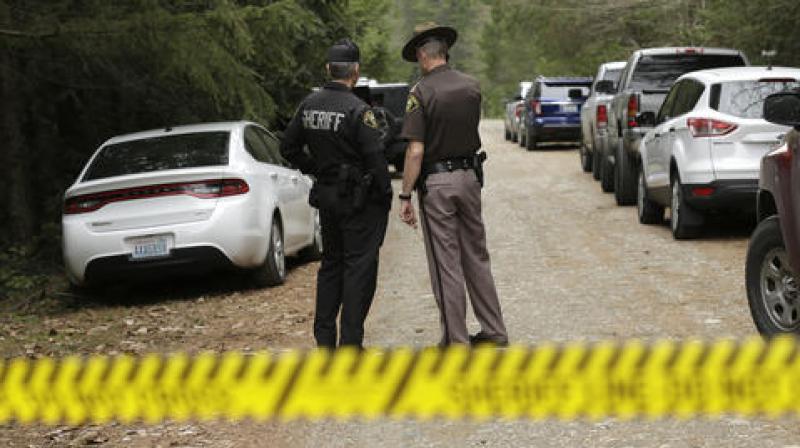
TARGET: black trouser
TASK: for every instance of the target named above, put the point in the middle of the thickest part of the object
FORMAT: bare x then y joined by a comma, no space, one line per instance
348,274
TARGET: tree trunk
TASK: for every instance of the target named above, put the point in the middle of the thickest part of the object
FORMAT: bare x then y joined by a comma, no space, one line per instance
18,202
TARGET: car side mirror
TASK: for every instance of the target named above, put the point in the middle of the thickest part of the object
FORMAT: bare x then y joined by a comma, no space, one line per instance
517,97
646,119
783,108
604,86
575,94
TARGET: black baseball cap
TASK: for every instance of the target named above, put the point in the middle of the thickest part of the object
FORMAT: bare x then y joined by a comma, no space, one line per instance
344,50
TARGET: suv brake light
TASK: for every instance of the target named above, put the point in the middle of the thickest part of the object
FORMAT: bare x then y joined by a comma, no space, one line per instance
633,109
518,110
708,127
602,116
204,189
536,105
689,51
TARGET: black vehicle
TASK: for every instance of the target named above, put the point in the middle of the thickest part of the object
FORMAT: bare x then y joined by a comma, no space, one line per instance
389,105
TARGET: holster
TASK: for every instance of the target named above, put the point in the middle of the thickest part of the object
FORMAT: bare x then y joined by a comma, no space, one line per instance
354,186
480,158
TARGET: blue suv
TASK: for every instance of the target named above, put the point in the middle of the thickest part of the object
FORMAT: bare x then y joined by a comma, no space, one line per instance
552,111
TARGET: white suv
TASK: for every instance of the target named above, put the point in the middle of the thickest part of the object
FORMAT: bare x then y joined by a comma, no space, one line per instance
705,150
189,198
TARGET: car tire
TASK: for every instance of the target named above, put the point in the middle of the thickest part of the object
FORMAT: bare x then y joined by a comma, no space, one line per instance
272,271
586,158
649,211
624,178
514,136
507,133
772,292
606,174
531,143
522,135
685,221
596,160
314,251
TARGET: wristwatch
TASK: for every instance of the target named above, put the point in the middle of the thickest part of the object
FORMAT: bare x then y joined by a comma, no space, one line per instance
404,196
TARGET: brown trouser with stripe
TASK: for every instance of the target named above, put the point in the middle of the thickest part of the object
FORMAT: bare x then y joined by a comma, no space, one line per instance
455,242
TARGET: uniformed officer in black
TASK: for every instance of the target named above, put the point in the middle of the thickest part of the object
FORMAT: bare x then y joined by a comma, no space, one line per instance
352,191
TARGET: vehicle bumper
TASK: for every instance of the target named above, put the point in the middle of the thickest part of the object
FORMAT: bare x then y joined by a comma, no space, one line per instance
631,138
726,195
185,260
235,230
548,132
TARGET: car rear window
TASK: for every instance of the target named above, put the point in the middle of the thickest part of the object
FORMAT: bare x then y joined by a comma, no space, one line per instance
160,153
612,74
659,72
561,91
745,99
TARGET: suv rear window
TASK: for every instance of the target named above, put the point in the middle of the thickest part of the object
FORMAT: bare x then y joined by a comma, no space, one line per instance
659,72
160,153
552,90
745,99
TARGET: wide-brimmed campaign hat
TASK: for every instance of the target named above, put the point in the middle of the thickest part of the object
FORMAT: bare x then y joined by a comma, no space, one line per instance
425,31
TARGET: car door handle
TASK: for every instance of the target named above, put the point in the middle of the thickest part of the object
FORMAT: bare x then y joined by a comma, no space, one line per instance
273,176
671,129
657,135
294,179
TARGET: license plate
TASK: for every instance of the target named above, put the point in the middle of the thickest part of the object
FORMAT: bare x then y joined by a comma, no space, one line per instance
569,108
151,247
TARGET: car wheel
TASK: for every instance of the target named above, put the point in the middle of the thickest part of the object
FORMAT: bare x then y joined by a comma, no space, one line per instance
624,178
586,159
314,251
596,160
522,135
514,136
530,141
606,174
650,212
685,221
507,133
273,271
772,291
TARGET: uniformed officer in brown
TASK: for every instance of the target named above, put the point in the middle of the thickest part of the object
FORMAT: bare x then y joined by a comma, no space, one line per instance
441,126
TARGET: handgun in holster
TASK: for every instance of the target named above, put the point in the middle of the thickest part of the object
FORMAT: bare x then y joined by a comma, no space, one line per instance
480,158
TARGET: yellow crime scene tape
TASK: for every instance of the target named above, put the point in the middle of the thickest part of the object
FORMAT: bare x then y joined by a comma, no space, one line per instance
570,381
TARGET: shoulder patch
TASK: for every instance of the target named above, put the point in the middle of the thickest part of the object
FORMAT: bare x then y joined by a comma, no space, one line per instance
412,104
369,119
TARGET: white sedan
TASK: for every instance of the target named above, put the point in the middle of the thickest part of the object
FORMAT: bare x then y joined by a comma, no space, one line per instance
704,153
188,199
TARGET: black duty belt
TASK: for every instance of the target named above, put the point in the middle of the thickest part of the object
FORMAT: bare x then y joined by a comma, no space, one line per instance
450,165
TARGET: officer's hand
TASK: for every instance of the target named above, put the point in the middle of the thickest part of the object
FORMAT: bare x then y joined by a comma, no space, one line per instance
407,213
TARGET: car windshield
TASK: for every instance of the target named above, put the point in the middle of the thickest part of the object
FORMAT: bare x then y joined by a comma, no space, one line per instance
745,99
392,98
659,72
559,91
160,153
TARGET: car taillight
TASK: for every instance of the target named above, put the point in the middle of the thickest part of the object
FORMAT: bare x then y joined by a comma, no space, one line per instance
602,116
689,51
536,105
518,111
633,109
204,189
702,191
707,127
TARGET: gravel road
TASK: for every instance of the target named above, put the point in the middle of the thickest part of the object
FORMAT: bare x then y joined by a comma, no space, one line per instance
569,265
